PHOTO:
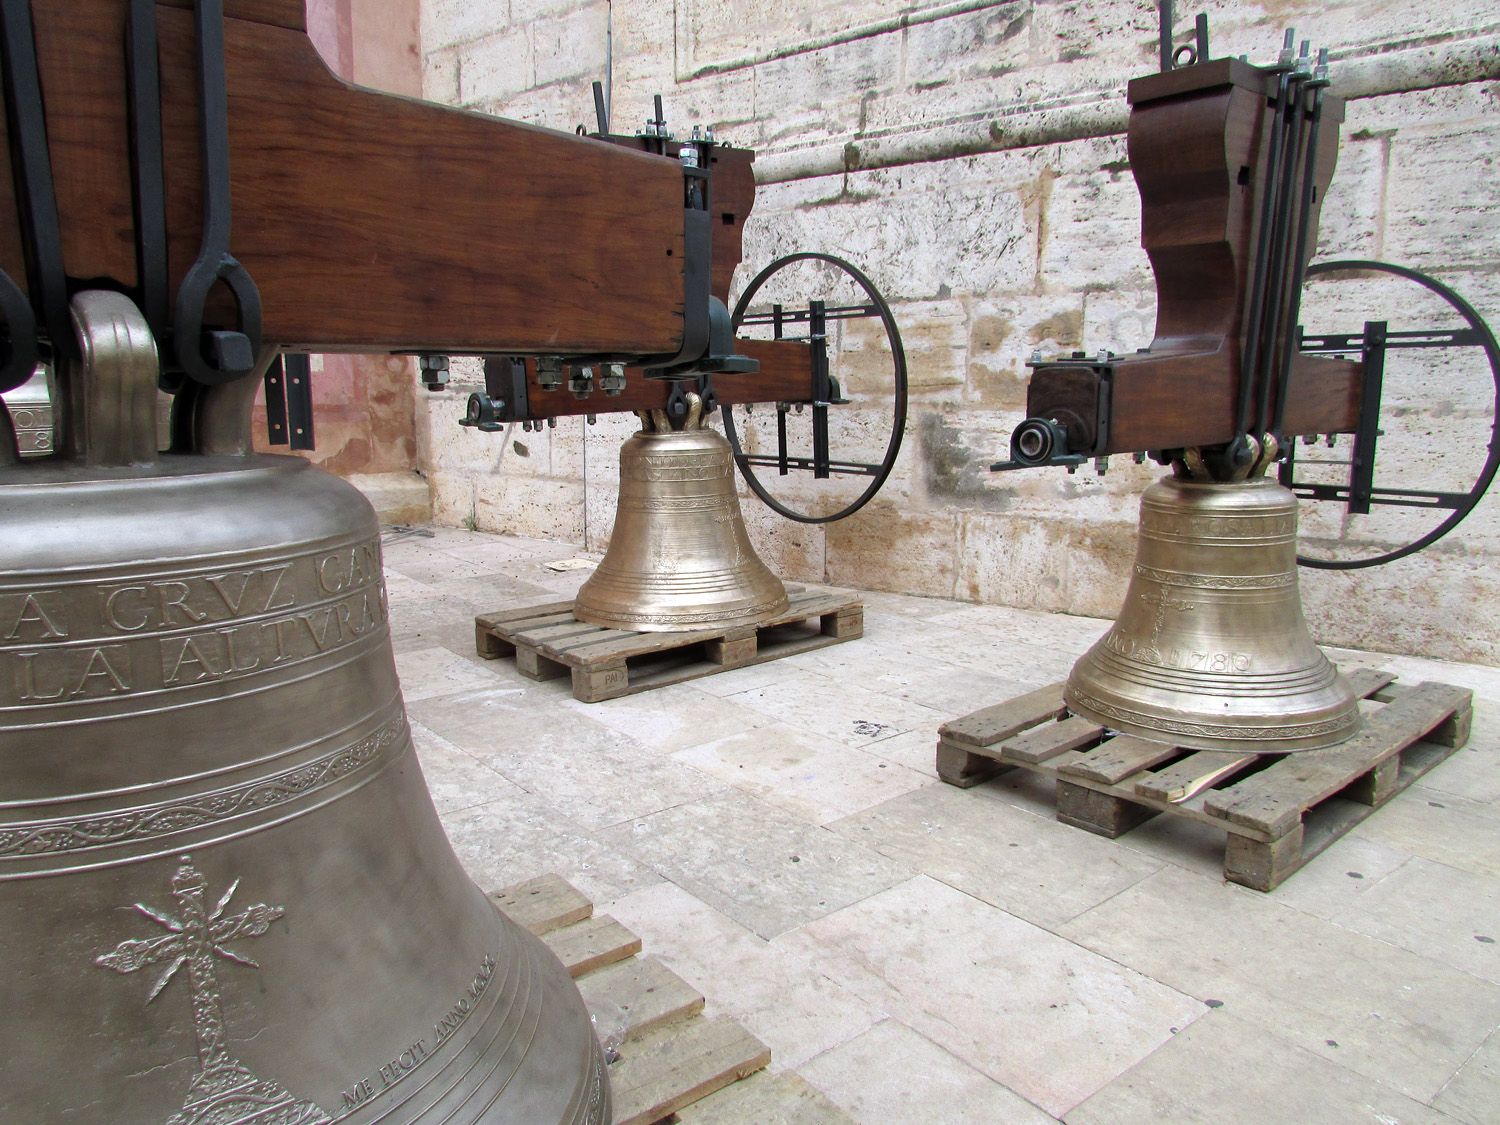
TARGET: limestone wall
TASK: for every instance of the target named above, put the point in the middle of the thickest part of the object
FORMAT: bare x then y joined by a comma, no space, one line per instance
969,155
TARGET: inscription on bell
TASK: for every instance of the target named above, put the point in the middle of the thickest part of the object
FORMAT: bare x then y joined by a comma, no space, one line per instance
154,632
34,615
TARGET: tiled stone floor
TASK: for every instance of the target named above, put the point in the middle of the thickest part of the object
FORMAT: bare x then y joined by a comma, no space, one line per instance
914,952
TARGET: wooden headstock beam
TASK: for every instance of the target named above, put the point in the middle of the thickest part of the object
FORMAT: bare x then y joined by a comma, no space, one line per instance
369,222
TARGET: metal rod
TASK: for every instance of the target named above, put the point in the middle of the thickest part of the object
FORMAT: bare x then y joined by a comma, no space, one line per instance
601,109
1362,471
822,389
1164,8
1254,317
1281,240
1300,252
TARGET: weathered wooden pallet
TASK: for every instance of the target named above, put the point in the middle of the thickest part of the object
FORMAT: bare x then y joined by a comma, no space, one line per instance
1278,810
547,642
664,1054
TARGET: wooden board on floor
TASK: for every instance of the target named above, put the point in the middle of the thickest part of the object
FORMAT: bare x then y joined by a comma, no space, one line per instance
664,1054
547,642
1278,811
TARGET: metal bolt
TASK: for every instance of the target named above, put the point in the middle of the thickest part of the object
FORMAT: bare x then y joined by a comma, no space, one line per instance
549,372
1101,465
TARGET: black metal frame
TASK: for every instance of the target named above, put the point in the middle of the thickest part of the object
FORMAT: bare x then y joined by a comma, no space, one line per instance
825,389
1373,344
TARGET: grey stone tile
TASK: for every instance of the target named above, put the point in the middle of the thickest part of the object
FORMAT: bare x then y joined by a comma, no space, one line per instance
596,775
1333,885
437,567
1051,1021
1034,868
1389,1014
1439,826
759,865
520,836
1440,912
1226,1071
891,1073
455,779
839,710
1474,1092
724,685
433,671
814,779
584,769
765,1099
916,750
668,719
777,994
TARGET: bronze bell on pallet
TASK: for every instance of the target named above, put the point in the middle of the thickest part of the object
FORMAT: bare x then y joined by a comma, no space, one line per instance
679,557
1211,649
226,896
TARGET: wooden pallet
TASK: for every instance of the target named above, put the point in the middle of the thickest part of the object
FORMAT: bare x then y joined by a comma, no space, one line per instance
548,642
1279,810
668,1054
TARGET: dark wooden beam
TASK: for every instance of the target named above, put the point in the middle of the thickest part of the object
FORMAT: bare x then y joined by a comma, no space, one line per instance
785,376
368,221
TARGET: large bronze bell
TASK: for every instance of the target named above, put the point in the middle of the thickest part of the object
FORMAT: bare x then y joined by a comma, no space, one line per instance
1211,649
224,893
679,557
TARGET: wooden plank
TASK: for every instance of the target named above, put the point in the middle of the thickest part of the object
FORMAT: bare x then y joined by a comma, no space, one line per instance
1367,681
990,725
543,904
1263,865
1113,761
1274,799
965,768
1041,743
523,613
544,635
1191,775
677,1065
632,997
592,944
765,1099
1103,814
521,626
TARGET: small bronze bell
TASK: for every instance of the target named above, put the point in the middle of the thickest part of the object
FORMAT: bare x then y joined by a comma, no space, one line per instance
679,557
1211,649
226,896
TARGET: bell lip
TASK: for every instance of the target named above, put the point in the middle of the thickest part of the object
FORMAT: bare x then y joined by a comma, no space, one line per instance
756,615
1252,735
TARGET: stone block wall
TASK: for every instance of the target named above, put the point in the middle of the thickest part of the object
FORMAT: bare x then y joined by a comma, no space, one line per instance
970,157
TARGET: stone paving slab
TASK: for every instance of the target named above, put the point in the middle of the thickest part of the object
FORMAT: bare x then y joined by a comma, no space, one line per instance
1046,1017
1227,1071
1396,1017
1375,948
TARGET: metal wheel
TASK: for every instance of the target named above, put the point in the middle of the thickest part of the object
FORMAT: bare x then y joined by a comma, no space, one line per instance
817,317
1377,341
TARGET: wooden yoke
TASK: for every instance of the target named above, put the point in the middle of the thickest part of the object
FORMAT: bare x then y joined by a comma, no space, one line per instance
369,222
1198,144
